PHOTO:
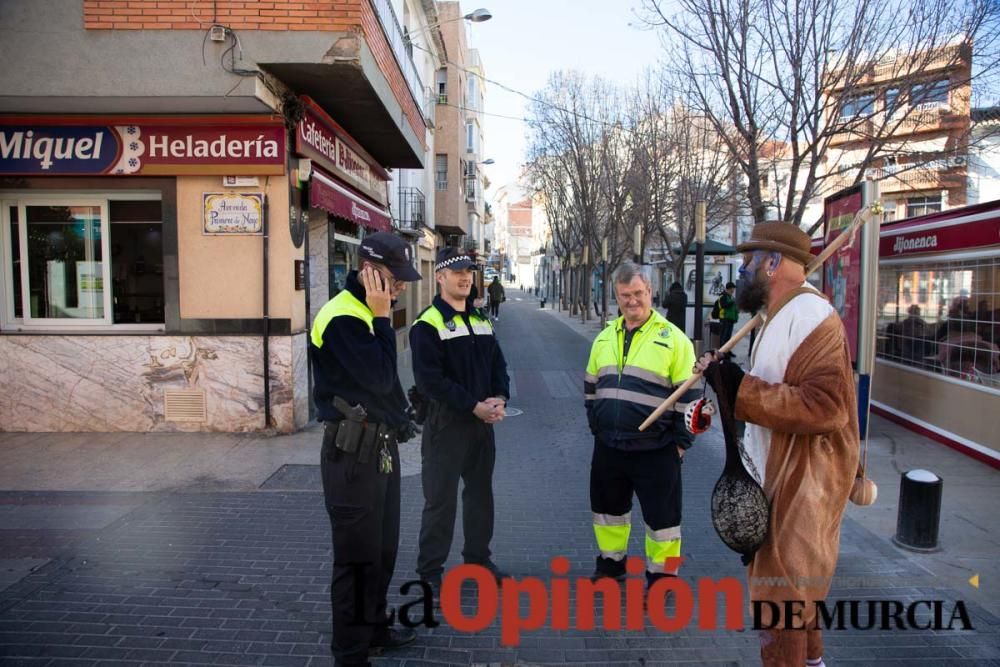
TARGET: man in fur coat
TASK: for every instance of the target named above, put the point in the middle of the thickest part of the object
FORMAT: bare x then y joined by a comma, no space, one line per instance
798,402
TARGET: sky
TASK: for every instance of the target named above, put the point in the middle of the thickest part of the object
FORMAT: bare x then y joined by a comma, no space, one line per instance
526,40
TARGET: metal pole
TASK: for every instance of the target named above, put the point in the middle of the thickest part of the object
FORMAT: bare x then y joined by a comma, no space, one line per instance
604,283
699,274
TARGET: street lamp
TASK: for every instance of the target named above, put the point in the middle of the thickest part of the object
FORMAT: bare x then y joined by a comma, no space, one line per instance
488,161
475,16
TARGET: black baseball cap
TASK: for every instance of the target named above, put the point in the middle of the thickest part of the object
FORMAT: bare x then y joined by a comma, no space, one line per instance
730,285
391,252
453,258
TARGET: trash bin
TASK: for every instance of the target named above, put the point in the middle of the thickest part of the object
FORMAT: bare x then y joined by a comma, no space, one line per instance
713,329
919,513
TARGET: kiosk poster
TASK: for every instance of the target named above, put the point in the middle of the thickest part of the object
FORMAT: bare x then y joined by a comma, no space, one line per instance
842,271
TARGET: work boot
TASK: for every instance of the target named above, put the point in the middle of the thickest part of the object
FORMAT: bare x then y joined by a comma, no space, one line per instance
387,639
610,568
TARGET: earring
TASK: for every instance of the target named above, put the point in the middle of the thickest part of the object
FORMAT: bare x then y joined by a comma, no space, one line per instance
770,274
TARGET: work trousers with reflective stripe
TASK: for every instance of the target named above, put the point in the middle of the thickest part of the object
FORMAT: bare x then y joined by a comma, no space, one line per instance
654,476
363,506
453,450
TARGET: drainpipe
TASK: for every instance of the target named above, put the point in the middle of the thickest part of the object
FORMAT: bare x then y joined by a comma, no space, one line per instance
267,321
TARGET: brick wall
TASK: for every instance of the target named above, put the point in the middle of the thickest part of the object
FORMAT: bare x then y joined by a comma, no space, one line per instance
299,15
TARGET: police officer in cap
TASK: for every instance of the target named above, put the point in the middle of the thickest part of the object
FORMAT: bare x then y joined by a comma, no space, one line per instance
359,397
460,369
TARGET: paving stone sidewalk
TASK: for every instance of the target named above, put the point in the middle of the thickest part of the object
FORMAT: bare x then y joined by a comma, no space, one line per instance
242,577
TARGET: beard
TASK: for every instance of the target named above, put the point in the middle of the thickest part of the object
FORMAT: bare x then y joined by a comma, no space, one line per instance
752,296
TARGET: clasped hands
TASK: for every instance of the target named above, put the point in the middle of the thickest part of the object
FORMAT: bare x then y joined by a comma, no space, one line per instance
490,410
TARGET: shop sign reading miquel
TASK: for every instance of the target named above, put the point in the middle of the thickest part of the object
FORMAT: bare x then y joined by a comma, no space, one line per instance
99,145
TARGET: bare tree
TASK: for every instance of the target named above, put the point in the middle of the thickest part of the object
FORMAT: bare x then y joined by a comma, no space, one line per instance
782,82
572,158
680,159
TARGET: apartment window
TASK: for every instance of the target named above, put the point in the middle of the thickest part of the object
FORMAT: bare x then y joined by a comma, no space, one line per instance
891,100
442,85
470,136
473,93
81,260
931,93
857,106
923,205
441,172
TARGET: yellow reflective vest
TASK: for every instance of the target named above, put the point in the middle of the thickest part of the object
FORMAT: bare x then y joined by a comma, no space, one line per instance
621,390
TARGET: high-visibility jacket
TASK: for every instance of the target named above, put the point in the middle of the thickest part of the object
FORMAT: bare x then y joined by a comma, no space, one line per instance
457,360
622,389
353,356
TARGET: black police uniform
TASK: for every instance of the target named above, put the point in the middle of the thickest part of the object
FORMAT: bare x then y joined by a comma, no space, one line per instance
457,362
354,360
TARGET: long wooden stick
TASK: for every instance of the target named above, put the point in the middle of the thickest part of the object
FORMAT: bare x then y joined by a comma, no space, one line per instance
856,223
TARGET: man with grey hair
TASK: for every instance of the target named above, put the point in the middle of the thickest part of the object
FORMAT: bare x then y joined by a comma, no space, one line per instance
636,362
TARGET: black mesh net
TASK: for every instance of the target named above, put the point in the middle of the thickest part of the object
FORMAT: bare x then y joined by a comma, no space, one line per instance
740,510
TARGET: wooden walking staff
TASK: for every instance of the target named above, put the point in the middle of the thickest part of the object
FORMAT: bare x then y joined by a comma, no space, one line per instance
846,235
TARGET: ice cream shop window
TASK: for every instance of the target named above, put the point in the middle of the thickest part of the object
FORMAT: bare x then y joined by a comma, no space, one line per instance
81,261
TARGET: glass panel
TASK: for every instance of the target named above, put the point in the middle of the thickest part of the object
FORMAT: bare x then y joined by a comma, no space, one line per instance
15,254
136,262
943,317
343,259
65,263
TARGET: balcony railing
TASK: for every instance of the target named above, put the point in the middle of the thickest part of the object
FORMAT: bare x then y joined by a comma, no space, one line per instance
412,210
401,49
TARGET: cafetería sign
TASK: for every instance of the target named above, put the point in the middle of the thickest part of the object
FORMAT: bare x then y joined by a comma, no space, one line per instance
318,137
121,146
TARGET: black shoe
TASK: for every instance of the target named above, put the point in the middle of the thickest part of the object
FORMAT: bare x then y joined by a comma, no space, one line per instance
653,577
494,569
388,639
609,568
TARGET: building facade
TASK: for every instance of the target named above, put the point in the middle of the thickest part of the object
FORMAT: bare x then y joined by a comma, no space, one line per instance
459,178
182,186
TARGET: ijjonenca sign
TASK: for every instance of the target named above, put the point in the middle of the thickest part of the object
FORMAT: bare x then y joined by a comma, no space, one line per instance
126,150
919,243
231,213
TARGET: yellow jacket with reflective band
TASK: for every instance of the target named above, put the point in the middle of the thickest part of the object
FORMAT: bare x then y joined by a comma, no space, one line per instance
457,360
344,303
621,391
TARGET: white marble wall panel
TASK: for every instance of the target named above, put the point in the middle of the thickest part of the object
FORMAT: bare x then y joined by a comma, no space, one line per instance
319,262
300,378
117,383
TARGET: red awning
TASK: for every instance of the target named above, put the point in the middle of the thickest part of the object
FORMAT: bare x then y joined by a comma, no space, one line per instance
332,197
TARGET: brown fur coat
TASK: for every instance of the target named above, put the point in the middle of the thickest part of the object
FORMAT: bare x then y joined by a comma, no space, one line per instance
811,466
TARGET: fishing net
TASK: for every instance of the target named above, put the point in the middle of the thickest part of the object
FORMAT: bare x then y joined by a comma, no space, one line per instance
740,509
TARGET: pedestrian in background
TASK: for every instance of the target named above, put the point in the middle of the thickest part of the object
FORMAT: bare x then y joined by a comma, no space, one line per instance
460,369
799,405
358,396
728,313
635,363
497,296
676,305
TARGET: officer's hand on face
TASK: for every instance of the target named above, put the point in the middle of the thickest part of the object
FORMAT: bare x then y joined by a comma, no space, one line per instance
376,292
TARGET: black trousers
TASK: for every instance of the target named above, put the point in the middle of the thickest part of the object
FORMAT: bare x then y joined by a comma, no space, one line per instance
363,505
725,331
494,308
453,450
654,476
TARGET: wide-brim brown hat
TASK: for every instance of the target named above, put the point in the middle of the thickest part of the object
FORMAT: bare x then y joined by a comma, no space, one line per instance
782,237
